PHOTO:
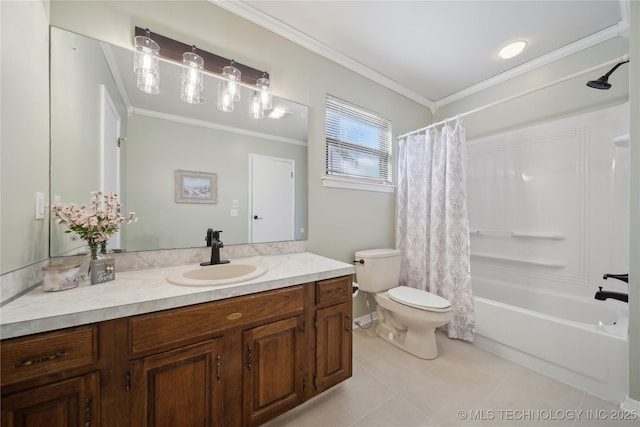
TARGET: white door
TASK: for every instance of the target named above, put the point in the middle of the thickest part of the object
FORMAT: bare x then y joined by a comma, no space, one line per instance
272,199
110,153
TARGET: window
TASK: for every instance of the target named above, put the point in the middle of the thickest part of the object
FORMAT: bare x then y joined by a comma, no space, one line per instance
358,144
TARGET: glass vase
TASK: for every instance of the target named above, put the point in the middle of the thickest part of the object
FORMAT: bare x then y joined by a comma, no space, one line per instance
85,262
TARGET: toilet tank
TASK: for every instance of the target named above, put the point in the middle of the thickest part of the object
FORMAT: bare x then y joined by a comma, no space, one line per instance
377,269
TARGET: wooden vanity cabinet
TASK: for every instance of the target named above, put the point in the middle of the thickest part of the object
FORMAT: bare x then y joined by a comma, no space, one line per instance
234,362
273,378
51,379
333,339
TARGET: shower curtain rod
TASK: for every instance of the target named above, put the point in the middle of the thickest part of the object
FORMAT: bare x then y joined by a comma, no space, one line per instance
518,95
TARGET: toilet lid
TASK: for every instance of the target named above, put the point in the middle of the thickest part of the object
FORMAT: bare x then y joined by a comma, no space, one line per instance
418,298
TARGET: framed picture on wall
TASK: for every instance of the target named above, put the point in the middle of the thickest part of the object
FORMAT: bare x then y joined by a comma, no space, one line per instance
196,187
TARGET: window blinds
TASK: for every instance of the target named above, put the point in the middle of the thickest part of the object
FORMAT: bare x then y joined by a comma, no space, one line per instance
358,142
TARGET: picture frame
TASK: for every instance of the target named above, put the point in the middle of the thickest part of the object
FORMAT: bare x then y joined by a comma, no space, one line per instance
196,187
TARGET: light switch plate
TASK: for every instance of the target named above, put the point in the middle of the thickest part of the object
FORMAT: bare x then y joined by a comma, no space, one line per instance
40,204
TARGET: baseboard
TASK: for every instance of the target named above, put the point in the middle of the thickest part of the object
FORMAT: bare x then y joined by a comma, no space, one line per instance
364,320
630,405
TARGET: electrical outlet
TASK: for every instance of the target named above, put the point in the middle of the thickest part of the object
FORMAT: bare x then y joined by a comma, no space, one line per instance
40,205
234,212
302,230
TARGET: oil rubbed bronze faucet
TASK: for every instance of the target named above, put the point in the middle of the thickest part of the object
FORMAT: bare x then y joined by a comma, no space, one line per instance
603,295
213,240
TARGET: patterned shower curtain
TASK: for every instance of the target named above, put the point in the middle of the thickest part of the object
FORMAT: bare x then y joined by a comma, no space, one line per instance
432,229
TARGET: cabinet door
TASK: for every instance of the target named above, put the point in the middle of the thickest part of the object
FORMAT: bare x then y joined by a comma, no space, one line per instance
72,402
178,388
333,346
273,369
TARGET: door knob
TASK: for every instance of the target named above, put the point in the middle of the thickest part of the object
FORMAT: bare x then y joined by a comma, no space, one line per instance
257,217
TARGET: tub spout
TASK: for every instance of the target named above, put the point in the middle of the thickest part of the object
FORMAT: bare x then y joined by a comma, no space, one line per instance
603,295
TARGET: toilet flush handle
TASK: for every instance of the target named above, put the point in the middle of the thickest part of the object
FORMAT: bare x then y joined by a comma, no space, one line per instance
361,261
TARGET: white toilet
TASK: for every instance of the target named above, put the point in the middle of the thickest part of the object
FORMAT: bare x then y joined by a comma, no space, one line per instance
407,317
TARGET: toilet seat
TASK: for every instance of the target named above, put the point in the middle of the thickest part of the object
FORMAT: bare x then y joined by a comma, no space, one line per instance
418,298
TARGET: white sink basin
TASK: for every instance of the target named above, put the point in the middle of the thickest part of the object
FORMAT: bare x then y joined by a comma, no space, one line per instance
215,275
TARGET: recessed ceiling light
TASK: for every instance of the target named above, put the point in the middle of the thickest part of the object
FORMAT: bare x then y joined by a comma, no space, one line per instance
512,49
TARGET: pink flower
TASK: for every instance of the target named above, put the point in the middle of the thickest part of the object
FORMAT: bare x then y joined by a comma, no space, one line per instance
96,222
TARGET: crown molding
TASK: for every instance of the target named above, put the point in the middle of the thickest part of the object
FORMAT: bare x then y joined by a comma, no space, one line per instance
557,54
216,126
257,17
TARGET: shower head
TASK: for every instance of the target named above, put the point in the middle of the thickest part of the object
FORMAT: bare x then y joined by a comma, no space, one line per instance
602,82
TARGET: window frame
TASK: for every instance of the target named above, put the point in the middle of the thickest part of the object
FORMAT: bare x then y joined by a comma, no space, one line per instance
384,152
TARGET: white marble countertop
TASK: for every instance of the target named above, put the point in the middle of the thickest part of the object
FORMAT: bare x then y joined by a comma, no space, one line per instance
145,291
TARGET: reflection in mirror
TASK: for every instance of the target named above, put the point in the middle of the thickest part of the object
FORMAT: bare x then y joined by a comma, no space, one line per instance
106,134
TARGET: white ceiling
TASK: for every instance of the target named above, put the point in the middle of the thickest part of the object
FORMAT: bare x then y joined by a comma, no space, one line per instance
431,51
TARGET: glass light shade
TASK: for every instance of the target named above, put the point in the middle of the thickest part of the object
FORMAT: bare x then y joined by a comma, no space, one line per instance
146,64
225,98
148,82
192,79
256,111
264,86
232,79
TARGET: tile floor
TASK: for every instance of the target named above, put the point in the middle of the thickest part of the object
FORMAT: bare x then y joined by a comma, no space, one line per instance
464,386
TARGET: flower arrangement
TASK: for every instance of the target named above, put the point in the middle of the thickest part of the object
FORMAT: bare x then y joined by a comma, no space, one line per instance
94,222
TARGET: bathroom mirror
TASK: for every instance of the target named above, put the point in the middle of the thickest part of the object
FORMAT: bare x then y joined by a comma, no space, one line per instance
96,106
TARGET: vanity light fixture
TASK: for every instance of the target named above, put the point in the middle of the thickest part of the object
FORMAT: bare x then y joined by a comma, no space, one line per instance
512,49
192,84
145,64
196,62
256,110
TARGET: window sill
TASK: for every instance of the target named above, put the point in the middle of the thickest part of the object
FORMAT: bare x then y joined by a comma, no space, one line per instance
352,184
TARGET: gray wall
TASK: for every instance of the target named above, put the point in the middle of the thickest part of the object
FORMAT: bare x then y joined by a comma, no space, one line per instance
24,134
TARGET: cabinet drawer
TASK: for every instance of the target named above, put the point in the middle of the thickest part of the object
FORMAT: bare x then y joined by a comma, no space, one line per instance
333,290
51,352
162,329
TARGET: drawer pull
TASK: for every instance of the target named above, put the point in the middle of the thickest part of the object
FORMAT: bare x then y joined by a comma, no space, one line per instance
58,355
348,324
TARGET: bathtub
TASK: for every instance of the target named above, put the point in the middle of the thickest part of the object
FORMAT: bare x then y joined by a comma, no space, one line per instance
581,342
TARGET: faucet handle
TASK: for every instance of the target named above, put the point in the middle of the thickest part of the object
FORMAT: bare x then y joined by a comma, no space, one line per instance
209,236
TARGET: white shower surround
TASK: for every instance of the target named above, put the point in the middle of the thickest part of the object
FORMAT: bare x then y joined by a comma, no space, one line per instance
549,215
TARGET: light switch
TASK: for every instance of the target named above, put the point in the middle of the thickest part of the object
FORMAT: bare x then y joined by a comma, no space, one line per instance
234,204
40,205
